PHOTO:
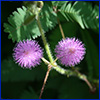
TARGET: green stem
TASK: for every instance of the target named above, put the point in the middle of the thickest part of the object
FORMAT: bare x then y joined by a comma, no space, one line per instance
58,68
46,45
68,73
44,41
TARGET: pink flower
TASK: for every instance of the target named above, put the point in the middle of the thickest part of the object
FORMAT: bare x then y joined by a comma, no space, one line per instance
28,53
70,51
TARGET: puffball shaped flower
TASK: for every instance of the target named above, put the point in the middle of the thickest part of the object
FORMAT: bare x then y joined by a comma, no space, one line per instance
28,53
70,51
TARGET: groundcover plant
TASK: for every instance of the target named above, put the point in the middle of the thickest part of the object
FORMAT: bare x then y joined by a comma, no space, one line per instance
50,50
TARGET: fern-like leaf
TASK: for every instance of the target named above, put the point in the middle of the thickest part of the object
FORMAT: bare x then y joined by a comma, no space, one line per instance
58,3
20,28
89,14
81,12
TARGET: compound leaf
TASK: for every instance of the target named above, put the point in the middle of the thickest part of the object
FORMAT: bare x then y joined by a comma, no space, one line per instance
83,13
22,24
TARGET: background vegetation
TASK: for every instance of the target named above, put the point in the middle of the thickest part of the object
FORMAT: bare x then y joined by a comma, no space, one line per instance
19,83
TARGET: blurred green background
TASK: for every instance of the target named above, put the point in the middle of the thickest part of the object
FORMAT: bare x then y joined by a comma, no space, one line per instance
19,83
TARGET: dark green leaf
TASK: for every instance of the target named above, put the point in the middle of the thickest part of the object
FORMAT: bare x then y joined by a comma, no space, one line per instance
14,73
92,54
29,94
73,88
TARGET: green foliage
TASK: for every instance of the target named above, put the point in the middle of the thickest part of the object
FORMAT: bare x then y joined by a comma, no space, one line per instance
73,88
22,24
92,54
14,73
58,3
48,18
81,12
29,94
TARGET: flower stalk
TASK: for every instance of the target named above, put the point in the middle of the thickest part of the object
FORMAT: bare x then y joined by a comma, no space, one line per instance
48,53
44,41
47,74
61,30
45,80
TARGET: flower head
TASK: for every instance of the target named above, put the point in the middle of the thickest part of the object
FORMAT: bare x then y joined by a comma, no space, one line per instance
28,53
70,51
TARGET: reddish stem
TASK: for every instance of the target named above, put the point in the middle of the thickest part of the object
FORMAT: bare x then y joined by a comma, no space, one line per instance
46,77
